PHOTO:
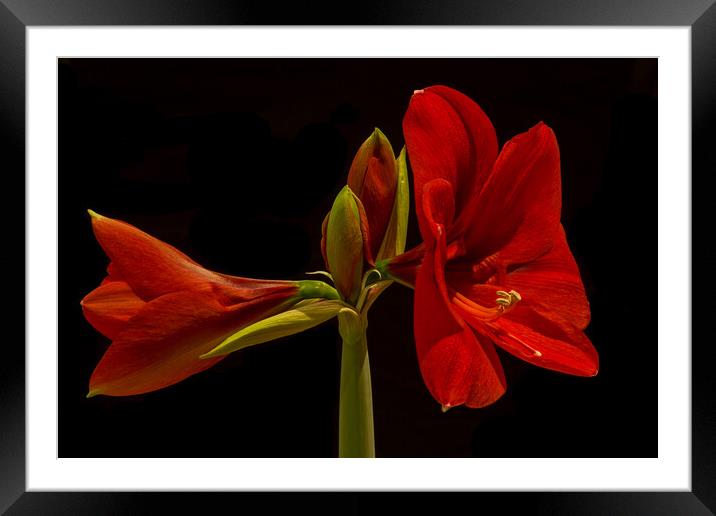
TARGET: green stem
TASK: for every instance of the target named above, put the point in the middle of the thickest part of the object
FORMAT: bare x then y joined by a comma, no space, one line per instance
355,413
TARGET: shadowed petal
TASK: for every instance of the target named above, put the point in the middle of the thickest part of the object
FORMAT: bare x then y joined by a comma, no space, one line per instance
404,266
151,267
552,285
373,178
161,345
110,306
545,326
463,368
517,214
457,367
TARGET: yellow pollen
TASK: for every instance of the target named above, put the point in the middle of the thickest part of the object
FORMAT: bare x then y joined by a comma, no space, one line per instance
507,299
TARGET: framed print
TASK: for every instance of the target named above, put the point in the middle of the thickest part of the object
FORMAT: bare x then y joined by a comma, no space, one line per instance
212,211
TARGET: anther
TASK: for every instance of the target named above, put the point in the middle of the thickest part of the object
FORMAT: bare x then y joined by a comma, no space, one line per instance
506,300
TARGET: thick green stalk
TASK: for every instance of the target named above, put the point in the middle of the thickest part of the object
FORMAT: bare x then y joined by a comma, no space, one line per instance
355,413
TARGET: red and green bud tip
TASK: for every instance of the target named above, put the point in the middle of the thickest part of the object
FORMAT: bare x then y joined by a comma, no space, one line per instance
375,177
343,244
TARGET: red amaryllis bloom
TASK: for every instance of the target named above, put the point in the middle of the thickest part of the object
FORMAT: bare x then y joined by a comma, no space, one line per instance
162,310
494,266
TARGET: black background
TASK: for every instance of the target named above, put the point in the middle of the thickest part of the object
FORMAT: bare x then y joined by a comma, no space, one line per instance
236,162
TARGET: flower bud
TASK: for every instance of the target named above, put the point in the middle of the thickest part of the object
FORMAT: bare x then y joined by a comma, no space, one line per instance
343,244
376,178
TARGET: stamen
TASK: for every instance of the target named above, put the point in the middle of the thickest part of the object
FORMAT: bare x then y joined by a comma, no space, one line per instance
504,302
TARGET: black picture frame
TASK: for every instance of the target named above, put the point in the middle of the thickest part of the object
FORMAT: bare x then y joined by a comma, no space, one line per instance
17,15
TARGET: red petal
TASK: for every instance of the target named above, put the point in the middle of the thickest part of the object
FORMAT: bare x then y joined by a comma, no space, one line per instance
448,136
552,285
365,230
546,343
151,267
457,367
235,289
463,369
534,337
110,306
545,339
161,345
545,327
112,274
518,211
404,266
438,209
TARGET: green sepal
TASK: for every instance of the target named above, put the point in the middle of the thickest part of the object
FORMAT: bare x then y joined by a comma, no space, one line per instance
402,203
396,233
302,316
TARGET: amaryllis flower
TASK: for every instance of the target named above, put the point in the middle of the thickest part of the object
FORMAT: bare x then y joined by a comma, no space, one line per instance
162,310
494,267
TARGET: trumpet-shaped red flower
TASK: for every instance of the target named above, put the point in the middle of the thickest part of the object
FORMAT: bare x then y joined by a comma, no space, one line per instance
494,266
162,310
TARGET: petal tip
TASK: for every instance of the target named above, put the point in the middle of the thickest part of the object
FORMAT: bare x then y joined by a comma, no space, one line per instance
418,92
93,392
542,127
94,215
85,301
592,367
445,408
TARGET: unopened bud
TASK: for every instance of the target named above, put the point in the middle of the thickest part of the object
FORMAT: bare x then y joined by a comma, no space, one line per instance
375,177
343,242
